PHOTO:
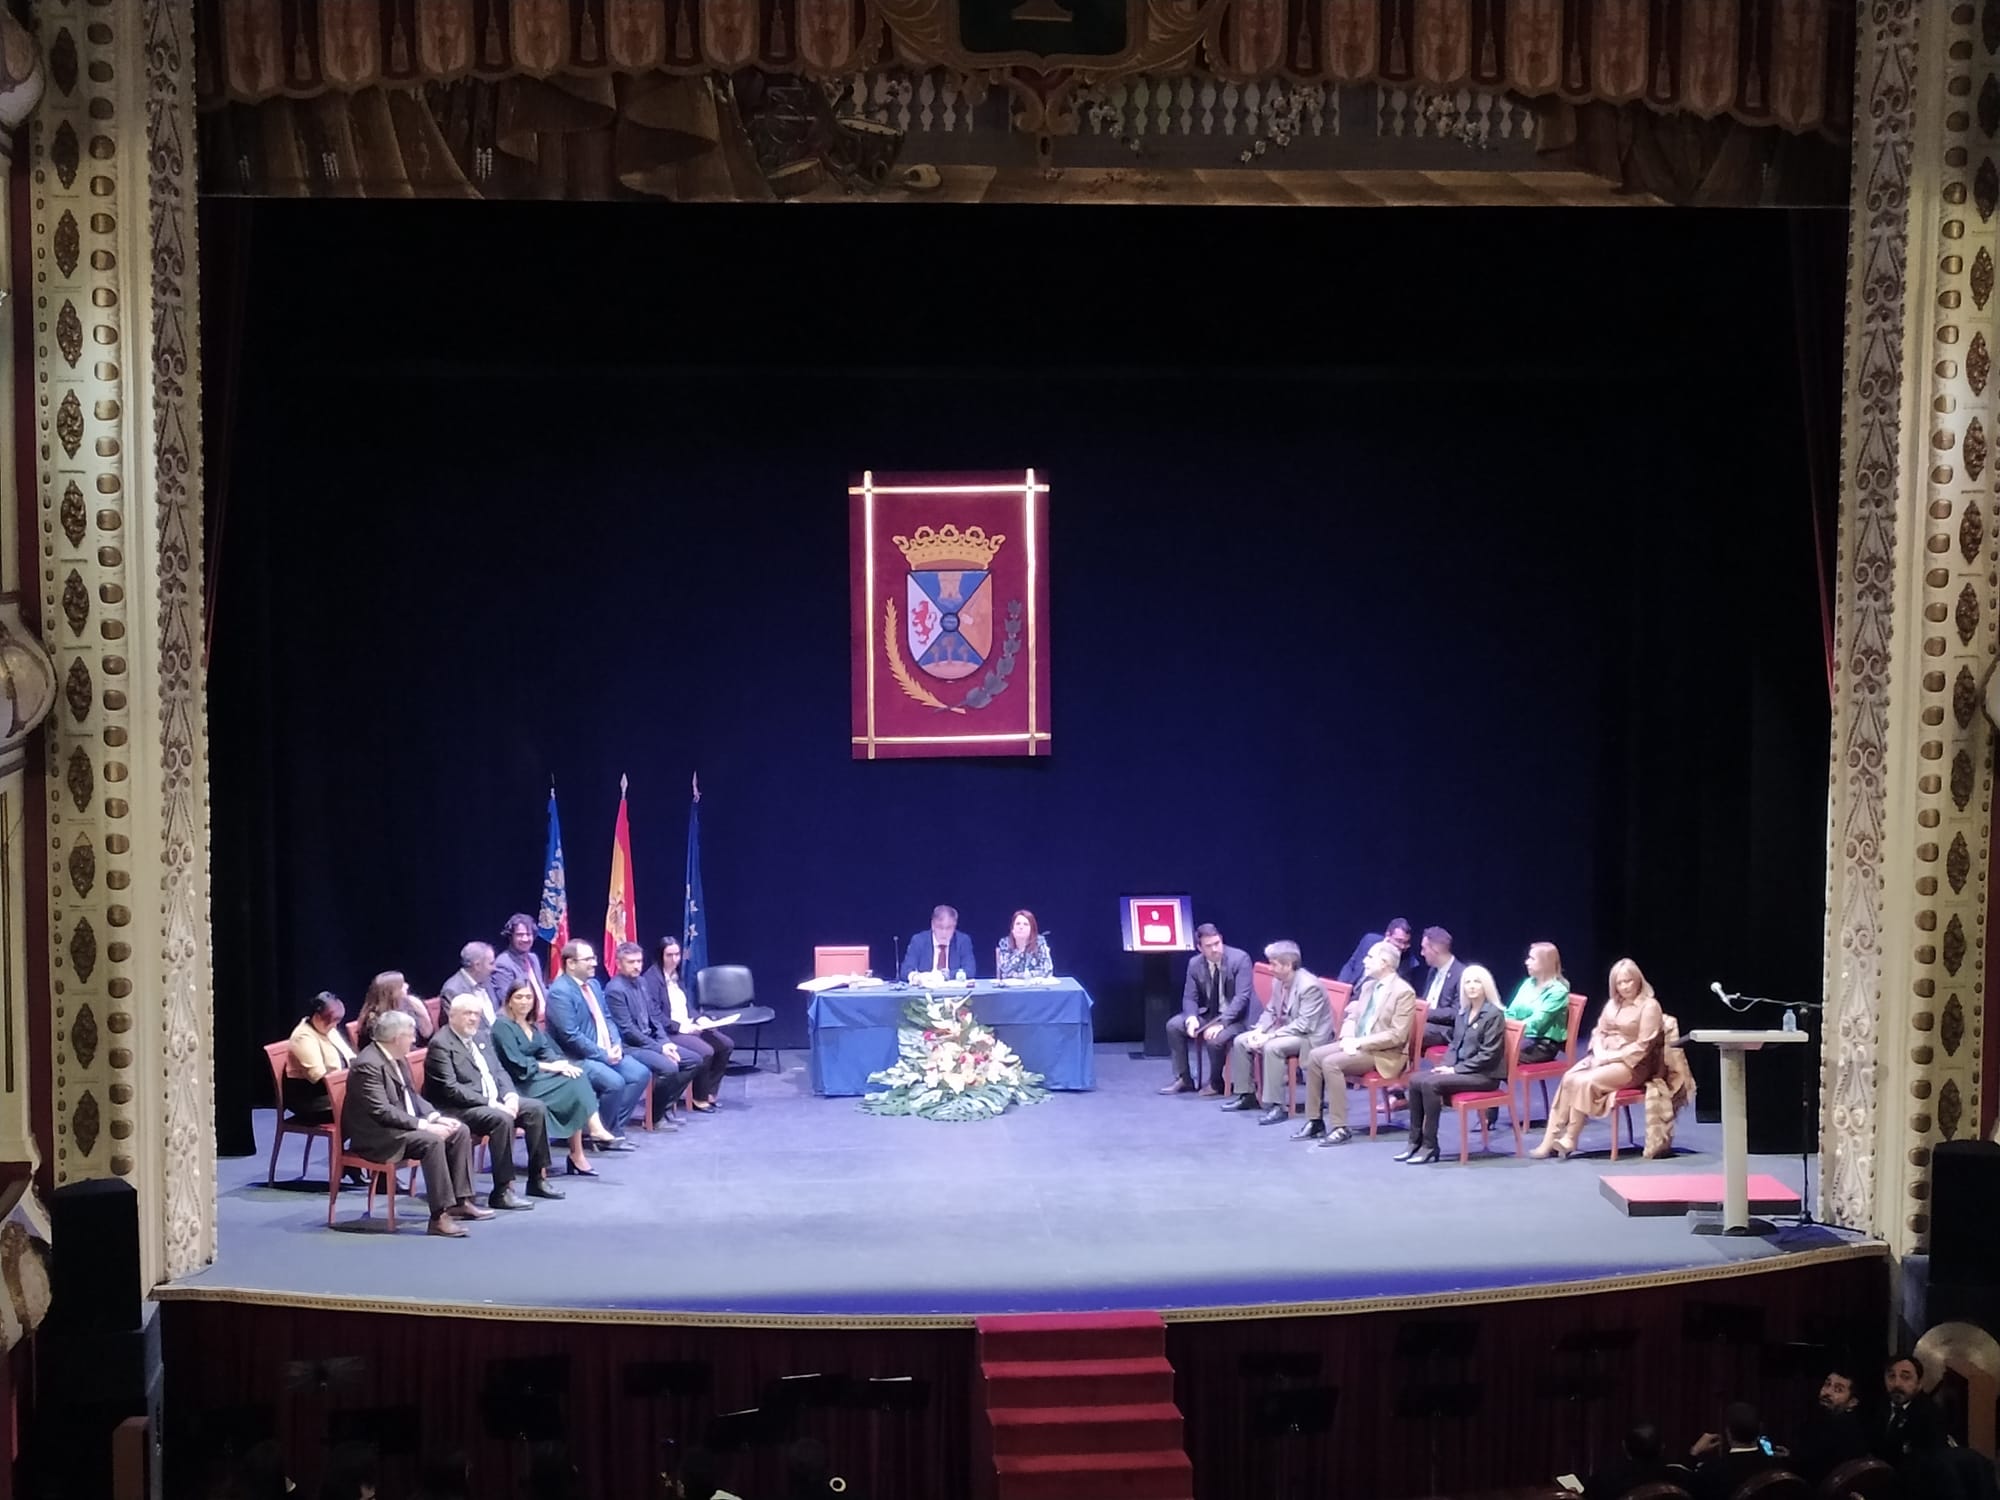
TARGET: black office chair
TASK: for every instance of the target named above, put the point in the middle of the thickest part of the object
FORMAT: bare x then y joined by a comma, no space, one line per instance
723,988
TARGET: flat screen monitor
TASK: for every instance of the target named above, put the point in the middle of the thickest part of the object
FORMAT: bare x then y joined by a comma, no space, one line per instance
1158,924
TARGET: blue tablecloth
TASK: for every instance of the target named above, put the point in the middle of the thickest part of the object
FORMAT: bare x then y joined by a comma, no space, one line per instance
853,1032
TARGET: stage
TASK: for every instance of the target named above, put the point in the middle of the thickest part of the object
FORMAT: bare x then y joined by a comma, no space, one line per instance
785,1205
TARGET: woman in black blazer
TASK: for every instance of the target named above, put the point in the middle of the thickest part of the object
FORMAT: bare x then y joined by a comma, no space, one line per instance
1477,1059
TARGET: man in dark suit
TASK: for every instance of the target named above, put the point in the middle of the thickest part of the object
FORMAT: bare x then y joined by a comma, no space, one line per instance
1396,930
1215,1006
387,1120
1724,1460
1833,1434
582,1028
1438,988
463,1077
1909,1425
1643,1461
942,950
646,1036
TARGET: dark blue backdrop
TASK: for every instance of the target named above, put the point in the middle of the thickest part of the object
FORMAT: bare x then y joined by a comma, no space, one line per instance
1467,578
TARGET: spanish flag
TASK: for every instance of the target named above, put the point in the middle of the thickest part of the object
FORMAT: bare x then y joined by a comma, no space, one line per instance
620,925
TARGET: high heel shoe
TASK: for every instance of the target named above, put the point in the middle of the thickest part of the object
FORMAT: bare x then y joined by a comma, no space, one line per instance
1424,1157
571,1169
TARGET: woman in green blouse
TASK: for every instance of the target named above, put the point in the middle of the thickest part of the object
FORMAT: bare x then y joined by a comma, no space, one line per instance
1543,1002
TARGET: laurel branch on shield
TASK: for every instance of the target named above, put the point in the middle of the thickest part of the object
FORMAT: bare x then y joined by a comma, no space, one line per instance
982,693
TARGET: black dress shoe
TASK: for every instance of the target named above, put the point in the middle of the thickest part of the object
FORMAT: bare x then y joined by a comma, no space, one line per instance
1240,1102
1340,1135
505,1201
1178,1086
540,1188
1424,1157
1312,1130
1275,1115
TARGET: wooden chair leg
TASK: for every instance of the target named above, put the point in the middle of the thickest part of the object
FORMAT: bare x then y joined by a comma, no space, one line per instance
333,1170
306,1156
277,1140
1613,1123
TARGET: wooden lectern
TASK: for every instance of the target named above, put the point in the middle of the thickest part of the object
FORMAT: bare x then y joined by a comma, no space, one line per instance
1735,1126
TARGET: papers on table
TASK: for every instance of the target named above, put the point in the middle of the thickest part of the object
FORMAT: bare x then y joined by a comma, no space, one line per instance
827,982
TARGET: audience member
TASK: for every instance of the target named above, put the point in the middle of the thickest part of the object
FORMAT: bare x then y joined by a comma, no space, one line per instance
582,1028
1642,1457
465,1078
1298,1019
942,950
1396,930
1024,952
537,1065
710,1046
1214,1001
701,1477
1724,1460
1833,1434
1543,1002
1476,1059
446,1476
1440,987
1375,1037
388,1120
516,962
389,991
1624,1053
647,1037
350,1473
474,977
1910,1424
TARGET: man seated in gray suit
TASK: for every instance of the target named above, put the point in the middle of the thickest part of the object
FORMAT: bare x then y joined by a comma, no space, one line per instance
387,1120
1214,1002
474,978
1297,1019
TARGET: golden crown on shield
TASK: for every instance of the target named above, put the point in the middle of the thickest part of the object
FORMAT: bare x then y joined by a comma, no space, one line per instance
948,547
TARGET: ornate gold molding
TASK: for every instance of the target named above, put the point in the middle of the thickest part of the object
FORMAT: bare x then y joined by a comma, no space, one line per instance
119,526
1910,795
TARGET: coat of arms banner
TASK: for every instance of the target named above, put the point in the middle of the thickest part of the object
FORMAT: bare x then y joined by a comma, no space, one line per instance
949,575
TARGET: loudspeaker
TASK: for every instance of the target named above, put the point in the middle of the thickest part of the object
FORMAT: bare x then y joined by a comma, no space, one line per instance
1965,1214
94,1240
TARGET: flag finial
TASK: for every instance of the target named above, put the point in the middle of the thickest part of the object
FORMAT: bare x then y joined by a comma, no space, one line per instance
696,779
621,785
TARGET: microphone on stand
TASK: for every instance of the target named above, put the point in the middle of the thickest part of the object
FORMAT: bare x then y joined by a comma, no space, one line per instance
1720,993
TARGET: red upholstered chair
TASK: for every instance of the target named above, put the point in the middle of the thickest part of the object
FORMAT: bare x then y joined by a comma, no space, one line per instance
278,1053
1542,1072
1861,1479
1378,1087
1479,1101
1772,1484
1621,1108
433,1008
1337,996
353,1030
336,1090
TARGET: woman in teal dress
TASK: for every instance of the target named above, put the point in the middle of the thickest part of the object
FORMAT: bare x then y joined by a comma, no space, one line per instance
1024,952
540,1071
1543,1002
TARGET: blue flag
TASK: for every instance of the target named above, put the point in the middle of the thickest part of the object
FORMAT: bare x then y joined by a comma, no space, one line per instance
552,920
694,918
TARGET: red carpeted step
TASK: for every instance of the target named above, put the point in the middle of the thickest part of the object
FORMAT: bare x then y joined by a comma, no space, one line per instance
1075,1430
1076,1382
1096,1476
1112,1335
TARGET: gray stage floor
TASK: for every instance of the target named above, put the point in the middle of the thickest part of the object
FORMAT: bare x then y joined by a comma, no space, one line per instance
781,1203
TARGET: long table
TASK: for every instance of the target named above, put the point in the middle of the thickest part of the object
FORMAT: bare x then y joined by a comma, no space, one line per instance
853,1031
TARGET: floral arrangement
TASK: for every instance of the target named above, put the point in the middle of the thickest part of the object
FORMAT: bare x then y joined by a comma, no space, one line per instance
948,1067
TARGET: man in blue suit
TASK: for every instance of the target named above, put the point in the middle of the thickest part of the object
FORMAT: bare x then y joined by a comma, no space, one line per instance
582,1028
944,949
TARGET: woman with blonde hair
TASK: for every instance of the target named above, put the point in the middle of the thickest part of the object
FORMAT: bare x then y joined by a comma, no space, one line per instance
1477,1060
1624,1053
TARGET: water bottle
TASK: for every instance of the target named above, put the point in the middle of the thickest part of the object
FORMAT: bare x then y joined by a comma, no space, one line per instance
1791,1020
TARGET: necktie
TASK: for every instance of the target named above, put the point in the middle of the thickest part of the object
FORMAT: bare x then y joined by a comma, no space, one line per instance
597,1017
1215,984
1368,1009
485,1075
1437,983
403,1082
939,965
